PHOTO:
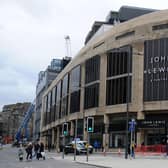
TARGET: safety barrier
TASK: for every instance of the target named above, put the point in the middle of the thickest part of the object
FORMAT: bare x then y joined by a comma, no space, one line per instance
7,139
151,148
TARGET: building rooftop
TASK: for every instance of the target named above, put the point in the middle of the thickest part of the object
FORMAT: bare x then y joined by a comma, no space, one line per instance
125,13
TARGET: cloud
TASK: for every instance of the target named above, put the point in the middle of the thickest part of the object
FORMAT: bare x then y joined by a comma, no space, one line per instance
16,86
32,33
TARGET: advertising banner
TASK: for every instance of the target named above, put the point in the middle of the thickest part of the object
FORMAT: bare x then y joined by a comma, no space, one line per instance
156,69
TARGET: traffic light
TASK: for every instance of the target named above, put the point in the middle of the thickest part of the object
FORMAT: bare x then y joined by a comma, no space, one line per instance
90,124
65,129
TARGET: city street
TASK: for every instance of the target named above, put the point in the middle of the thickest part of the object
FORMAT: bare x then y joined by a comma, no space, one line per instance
9,159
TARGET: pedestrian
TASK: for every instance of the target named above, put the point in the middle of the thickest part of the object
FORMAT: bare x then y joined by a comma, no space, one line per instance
95,145
129,151
29,151
36,149
41,152
133,150
20,153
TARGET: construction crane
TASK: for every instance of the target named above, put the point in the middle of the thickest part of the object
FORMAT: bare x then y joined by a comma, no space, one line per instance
24,124
68,46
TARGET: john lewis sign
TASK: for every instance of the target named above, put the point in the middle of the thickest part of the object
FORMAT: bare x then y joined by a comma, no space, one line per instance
156,69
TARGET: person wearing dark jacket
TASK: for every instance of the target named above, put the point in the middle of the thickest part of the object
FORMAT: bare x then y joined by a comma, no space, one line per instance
36,149
41,147
129,151
29,151
41,152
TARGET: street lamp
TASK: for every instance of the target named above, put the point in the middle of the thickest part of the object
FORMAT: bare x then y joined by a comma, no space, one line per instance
76,124
127,101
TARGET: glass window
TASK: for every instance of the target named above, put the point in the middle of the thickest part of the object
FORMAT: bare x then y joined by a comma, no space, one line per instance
75,78
117,140
117,91
58,91
53,96
45,103
117,61
91,96
58,102
64,106
49,101
117,85
45,110
75,102
49,107
92,69
65,85
64,100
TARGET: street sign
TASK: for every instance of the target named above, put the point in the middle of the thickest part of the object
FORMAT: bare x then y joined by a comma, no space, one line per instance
132,124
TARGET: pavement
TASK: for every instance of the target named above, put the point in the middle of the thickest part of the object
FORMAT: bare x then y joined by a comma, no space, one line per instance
115,160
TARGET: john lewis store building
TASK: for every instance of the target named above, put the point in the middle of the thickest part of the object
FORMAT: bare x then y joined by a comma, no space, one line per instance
123,71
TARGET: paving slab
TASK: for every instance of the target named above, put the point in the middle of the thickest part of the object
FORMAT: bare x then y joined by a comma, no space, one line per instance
113,161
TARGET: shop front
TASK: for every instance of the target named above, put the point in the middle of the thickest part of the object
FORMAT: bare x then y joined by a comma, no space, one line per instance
155,130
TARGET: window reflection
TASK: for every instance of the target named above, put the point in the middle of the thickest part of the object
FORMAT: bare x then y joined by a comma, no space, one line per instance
75,78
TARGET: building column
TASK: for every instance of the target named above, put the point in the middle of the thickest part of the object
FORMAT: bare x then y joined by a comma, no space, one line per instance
141,133
82,100
53,138
103,76
85,137
57,139
72,128
106,133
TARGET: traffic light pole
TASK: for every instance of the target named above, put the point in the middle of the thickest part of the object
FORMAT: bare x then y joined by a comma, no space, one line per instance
75,140
63,147
87,156
127,101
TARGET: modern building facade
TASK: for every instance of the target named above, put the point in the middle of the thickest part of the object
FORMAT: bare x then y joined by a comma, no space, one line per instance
44,80
120,75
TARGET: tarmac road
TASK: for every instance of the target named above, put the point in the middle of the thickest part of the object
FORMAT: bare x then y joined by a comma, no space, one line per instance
9,159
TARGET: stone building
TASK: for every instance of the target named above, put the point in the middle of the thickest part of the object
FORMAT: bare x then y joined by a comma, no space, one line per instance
12,115
120,75
1,127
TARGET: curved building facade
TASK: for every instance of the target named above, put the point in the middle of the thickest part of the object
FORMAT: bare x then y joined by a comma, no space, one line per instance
120,75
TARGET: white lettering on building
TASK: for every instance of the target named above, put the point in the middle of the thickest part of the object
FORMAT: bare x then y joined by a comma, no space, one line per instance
157,68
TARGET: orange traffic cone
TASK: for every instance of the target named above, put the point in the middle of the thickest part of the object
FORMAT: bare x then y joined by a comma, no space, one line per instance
119,151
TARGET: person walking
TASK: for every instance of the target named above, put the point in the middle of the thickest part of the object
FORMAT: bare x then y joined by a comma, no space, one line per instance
133,150
41,152
95,145
36,149
129,151
29,151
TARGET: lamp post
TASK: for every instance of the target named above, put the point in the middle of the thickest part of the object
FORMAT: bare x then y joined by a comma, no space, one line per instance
76,124
127,101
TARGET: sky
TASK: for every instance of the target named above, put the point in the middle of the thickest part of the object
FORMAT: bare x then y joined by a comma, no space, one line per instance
32,33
